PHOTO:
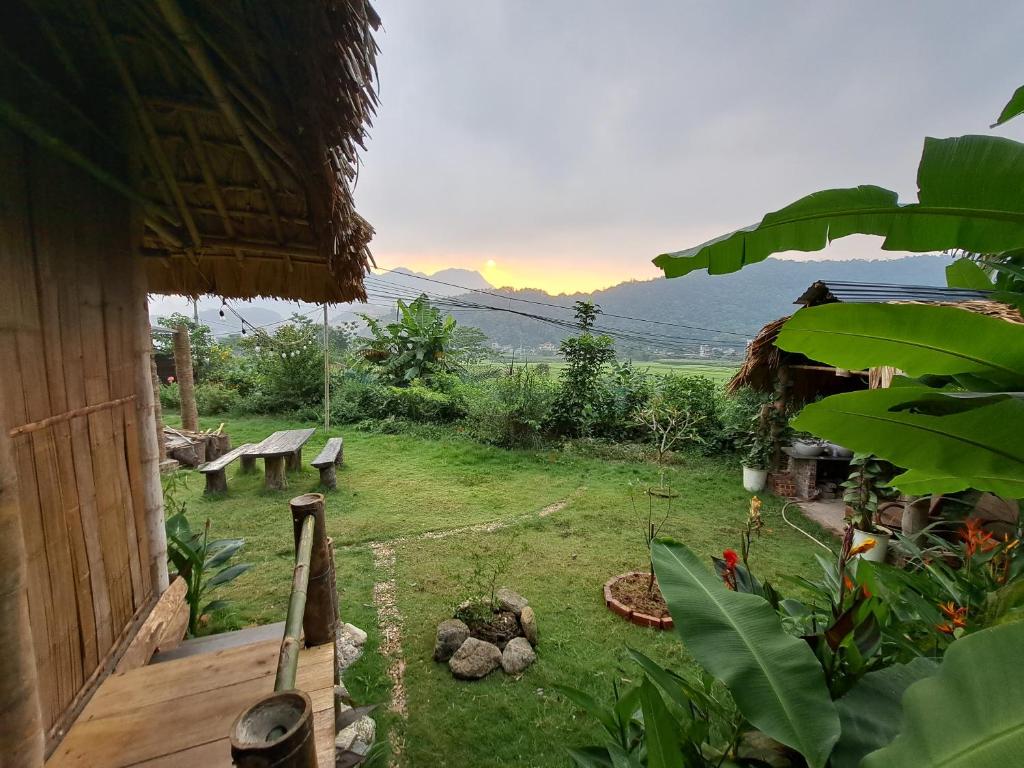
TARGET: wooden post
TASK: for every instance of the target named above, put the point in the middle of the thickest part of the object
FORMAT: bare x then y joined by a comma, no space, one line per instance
327,375
158,410
149,439
186,382
275,731
21,728
321,618
295,461
275,478
248,463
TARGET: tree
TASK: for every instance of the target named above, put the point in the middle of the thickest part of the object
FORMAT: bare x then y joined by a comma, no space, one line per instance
577,407
420,345
289,364
957,419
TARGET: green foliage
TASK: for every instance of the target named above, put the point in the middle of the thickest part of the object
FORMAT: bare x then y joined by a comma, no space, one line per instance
962,425
774,678
170,396
421,344
288,367
511,411
200,338
213,397
861,490
194,556
582,400
968,713
418,402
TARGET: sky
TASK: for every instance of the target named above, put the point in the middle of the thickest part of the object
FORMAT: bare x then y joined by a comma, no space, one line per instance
562,144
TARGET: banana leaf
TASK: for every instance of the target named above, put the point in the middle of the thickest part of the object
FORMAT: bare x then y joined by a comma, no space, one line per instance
661,732
1014,107
965,273
967,715
969,197
870,711
917,339
981,448
775,679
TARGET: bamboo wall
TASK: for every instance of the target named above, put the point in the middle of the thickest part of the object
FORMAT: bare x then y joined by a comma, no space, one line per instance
69,342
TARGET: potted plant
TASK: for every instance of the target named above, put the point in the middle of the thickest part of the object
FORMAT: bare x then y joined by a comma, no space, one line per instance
758,454
861,496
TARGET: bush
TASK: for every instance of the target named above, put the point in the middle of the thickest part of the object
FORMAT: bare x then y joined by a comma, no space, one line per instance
700,396
737,412
214,397
170,396
421,403
511,411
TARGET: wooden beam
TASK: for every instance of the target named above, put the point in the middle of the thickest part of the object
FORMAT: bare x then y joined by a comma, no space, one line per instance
160,627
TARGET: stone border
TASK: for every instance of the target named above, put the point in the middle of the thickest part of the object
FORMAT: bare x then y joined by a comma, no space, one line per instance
623,610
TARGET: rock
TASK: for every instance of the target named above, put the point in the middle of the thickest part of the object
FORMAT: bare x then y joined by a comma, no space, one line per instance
451,634
357,737
347,652
517,656
354,634
342,696
528,621
475,659
510,601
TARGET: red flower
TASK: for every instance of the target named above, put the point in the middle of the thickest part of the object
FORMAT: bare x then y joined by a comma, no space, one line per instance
975,539
731,558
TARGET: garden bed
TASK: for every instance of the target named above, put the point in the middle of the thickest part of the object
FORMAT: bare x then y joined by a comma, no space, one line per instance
628,595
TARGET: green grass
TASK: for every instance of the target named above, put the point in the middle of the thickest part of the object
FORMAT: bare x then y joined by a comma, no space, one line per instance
399,486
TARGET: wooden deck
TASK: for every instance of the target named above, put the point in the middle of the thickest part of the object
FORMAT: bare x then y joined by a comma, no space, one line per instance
178,713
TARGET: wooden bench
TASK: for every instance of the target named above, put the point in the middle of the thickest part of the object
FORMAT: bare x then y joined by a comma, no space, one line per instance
329,458
216,477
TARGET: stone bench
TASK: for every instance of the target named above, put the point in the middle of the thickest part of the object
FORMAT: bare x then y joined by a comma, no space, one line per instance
329,458
216,477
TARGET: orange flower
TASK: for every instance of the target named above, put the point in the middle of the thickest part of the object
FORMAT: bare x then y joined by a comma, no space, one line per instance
975,538
865,546
848,583
956,614
946,629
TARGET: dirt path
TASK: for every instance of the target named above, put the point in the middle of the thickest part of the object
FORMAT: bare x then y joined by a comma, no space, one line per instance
389,619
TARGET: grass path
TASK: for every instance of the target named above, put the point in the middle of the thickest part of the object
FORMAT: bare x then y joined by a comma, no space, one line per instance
415,519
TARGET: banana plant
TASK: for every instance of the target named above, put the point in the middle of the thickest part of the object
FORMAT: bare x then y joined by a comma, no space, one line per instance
194,557
956,421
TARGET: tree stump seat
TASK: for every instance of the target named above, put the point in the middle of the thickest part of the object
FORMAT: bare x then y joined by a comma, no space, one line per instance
327,461
215,471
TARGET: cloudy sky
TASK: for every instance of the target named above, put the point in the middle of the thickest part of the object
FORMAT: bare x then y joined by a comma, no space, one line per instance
564,144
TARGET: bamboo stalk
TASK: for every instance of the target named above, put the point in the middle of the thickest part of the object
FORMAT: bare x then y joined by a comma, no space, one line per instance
25,429
320,621
288,660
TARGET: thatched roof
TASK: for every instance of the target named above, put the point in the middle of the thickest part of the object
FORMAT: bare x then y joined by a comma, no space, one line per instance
764,358
234,124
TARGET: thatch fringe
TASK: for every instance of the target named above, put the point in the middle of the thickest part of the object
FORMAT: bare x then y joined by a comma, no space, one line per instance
251,117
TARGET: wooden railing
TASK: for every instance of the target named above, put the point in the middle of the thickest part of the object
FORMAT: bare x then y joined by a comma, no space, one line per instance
278,729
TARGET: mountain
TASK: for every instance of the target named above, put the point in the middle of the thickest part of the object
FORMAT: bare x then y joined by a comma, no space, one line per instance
724,310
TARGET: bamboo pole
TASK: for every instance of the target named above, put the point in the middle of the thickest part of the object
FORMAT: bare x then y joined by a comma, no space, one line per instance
150,438
21,730
158,410
320,619
288,659
186,383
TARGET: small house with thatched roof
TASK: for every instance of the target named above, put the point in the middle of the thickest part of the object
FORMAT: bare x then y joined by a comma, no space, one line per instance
796,380
164,147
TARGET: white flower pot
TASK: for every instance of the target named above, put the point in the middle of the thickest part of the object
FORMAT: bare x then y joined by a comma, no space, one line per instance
754,480
877,553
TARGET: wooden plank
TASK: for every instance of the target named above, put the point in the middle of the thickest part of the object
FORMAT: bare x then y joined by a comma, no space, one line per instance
175,720
284,442
329,455
148,637
223,461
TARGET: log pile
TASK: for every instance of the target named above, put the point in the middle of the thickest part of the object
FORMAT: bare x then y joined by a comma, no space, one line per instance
190,449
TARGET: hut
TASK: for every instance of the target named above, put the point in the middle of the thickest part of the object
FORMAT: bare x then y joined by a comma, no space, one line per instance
165,147
795,379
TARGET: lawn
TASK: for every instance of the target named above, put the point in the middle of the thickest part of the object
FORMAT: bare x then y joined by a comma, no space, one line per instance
393,489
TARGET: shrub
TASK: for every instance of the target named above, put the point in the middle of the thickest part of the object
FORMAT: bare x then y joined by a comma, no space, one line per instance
583,402
737,412
697,395
421,403
512,410
214,397
170,397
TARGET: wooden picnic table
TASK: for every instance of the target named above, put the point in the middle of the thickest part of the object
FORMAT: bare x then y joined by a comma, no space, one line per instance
281,451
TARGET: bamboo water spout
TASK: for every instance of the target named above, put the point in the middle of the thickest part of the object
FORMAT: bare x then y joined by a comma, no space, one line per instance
288,661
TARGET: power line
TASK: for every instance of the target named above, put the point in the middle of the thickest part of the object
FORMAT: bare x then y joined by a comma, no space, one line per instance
563,307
